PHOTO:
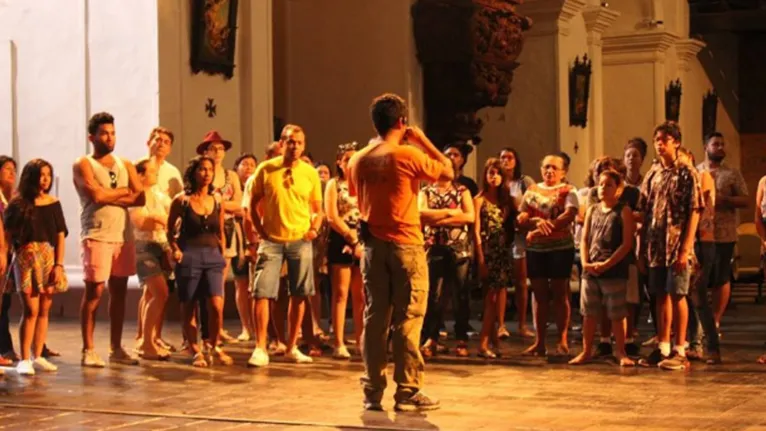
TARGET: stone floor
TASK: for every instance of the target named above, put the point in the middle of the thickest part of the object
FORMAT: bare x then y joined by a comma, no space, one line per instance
507,394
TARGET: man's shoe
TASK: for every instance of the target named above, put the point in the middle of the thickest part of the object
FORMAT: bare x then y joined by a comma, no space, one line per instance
259,358
419,402
675,362
653,359
373,406
695,353
91,359
603,350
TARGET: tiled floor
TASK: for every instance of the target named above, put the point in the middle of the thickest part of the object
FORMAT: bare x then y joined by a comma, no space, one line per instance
507,394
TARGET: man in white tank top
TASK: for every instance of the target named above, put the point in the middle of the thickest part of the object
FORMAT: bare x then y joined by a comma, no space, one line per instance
107,186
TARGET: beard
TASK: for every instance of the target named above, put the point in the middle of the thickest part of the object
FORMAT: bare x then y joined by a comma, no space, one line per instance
102,149
717,158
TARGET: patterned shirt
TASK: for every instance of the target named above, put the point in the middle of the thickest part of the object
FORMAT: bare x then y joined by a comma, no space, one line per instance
668,198
728,183
549,203
454,237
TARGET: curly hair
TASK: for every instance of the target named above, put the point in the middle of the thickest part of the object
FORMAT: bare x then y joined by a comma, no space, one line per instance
242,157
190,174
19,220
97,120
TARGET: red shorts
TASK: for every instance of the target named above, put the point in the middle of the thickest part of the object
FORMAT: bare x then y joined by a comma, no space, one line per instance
101,260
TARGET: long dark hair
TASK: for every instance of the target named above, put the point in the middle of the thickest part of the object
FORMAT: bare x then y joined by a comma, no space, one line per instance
504,200
517,172
190,177
343,149
17,221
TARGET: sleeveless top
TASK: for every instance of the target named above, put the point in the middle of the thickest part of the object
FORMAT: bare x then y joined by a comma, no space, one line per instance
99,222
605,238
455,238
348,206
199,230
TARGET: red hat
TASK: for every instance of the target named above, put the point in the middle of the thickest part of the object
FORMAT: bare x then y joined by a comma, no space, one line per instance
212,136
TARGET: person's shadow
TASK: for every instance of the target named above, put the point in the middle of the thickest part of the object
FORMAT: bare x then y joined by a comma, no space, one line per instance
401,421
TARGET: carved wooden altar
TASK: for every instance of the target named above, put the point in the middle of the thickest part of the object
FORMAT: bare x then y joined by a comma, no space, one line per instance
468,51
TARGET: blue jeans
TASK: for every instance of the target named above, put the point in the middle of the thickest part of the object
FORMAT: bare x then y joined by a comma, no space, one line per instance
300,269
701,314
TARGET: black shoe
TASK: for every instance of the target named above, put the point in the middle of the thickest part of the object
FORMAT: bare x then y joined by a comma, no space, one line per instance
632,349
653,359
695,353
418,402
373,406
603,350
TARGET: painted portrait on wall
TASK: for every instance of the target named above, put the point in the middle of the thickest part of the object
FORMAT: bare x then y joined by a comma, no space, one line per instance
214,29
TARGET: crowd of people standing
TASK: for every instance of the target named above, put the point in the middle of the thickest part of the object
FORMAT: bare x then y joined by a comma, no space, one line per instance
396,226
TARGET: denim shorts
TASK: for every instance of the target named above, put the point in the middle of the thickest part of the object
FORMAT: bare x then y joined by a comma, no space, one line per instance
149,255
200,273
299,255
665,280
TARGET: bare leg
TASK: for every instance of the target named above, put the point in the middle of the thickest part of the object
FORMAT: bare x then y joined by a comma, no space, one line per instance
489,321
521,295
619,328
244,308
215,311
90,299
588,333
41,328
540,304
141,310
341,279
261,313
297,309
560,287
118,287
501,302
315,301
280,310
31,304
190,325
721,297
157,293
681,317
664,317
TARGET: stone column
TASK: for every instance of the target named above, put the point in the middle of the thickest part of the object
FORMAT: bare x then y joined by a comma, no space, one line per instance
691,99
597,19
634,81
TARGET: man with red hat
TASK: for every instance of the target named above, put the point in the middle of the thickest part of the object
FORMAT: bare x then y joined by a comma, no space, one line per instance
290,216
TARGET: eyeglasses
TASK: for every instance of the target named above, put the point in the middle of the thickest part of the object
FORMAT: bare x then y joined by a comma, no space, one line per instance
551,167
113,179
216,149
288,178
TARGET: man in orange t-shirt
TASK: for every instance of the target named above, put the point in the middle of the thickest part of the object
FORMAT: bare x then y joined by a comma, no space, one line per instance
385,177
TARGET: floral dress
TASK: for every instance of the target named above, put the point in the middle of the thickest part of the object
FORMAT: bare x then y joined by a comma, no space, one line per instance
496,251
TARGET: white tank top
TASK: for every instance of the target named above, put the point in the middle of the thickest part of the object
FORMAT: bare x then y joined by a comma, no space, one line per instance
107,223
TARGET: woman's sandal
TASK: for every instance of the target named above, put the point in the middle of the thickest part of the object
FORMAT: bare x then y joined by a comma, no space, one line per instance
222,357
199,361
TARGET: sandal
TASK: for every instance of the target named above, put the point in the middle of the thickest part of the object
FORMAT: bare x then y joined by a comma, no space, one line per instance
222,357
502,333
165,345
160,355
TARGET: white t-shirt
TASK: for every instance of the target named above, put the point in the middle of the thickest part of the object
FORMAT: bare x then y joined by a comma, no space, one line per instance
247,194
169,179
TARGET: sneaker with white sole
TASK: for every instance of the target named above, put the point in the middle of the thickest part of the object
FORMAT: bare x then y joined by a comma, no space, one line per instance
417,402
120,356
259,358
43,364
295,355
25,368
91,359
341,353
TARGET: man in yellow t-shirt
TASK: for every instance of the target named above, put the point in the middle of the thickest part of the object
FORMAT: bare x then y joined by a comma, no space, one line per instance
289,195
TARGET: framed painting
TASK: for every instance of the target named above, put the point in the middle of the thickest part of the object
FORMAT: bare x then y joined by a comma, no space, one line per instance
579,91
214,35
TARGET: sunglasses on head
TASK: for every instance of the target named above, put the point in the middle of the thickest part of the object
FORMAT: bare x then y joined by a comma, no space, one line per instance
288,178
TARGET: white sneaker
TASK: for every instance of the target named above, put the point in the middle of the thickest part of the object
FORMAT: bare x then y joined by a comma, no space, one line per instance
259,358
295,355
341,353
43,364
91,359
25,368
122,357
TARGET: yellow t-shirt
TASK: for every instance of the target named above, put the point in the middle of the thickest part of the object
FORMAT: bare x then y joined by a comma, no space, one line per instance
287,197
